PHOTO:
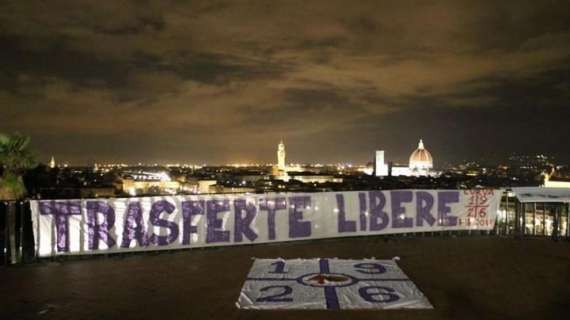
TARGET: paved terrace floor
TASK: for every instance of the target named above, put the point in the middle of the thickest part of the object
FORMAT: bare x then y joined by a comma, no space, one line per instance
464,278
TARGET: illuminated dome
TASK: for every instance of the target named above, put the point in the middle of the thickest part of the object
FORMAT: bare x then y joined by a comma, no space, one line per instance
421,159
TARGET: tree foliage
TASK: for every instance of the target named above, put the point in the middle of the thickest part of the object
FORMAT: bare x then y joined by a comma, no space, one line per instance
15,159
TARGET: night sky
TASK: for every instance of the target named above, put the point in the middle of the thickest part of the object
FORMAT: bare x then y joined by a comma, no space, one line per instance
224,81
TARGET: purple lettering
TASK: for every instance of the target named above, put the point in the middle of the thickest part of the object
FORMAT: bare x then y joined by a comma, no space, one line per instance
189,210
343,224
297,227
214,224
424,204
133,228
363,213
399,219
100,231
377,203
443,199
155,220
61,211
271,206
242,225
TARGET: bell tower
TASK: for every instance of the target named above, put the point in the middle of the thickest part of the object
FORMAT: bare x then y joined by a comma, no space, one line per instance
281,156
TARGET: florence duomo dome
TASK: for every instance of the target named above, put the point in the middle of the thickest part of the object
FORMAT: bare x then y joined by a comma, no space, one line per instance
421,159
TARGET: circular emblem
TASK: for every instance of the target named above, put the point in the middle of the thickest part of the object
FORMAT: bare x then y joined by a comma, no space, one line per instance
326,280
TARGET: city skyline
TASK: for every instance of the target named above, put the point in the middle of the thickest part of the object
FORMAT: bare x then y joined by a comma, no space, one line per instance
223,82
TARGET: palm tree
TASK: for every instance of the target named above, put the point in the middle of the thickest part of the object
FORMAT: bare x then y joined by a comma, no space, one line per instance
15,159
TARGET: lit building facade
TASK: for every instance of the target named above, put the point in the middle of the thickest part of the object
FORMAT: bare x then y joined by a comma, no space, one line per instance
553,181
420,164
380,166
421,161
139,182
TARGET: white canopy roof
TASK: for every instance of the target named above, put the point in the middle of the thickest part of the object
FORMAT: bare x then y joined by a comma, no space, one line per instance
541,194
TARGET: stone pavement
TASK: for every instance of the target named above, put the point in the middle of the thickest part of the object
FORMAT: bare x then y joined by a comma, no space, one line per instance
464,278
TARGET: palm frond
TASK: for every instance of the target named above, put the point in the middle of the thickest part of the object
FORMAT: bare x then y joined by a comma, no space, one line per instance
15,155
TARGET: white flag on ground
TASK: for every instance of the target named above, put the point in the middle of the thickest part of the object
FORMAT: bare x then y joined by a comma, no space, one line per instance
329,284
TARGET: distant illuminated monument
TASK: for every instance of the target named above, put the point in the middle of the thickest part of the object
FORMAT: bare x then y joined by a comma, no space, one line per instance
421,162
52,163
380,167
280,170
281,156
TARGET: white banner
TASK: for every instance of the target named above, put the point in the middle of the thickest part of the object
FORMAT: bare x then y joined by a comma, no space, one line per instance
89,226
331,284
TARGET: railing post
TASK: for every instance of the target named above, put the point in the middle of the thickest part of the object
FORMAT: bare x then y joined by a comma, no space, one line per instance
28,247
555,222
568,221
11,222
519,220
5,235
515,222
506,220
21,213
523,219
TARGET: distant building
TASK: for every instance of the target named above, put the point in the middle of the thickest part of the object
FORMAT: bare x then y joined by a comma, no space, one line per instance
52,163
218,188
400,171
553,181
380,166
281,156
200,185
280,171
308,177
421,161
421,164
140,182
97,192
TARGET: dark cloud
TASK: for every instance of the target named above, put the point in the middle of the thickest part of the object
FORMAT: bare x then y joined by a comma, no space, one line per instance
222,81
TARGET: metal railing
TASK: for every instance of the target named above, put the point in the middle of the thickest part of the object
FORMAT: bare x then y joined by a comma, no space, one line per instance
16,235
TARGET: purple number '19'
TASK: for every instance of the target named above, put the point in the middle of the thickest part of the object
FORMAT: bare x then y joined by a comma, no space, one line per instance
278,297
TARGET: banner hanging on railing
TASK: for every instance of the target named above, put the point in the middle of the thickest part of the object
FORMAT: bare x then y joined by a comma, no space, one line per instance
90,226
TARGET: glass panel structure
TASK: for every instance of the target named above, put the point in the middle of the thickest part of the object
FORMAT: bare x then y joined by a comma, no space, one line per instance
539,219
564,229
550,214
506,215
529,218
